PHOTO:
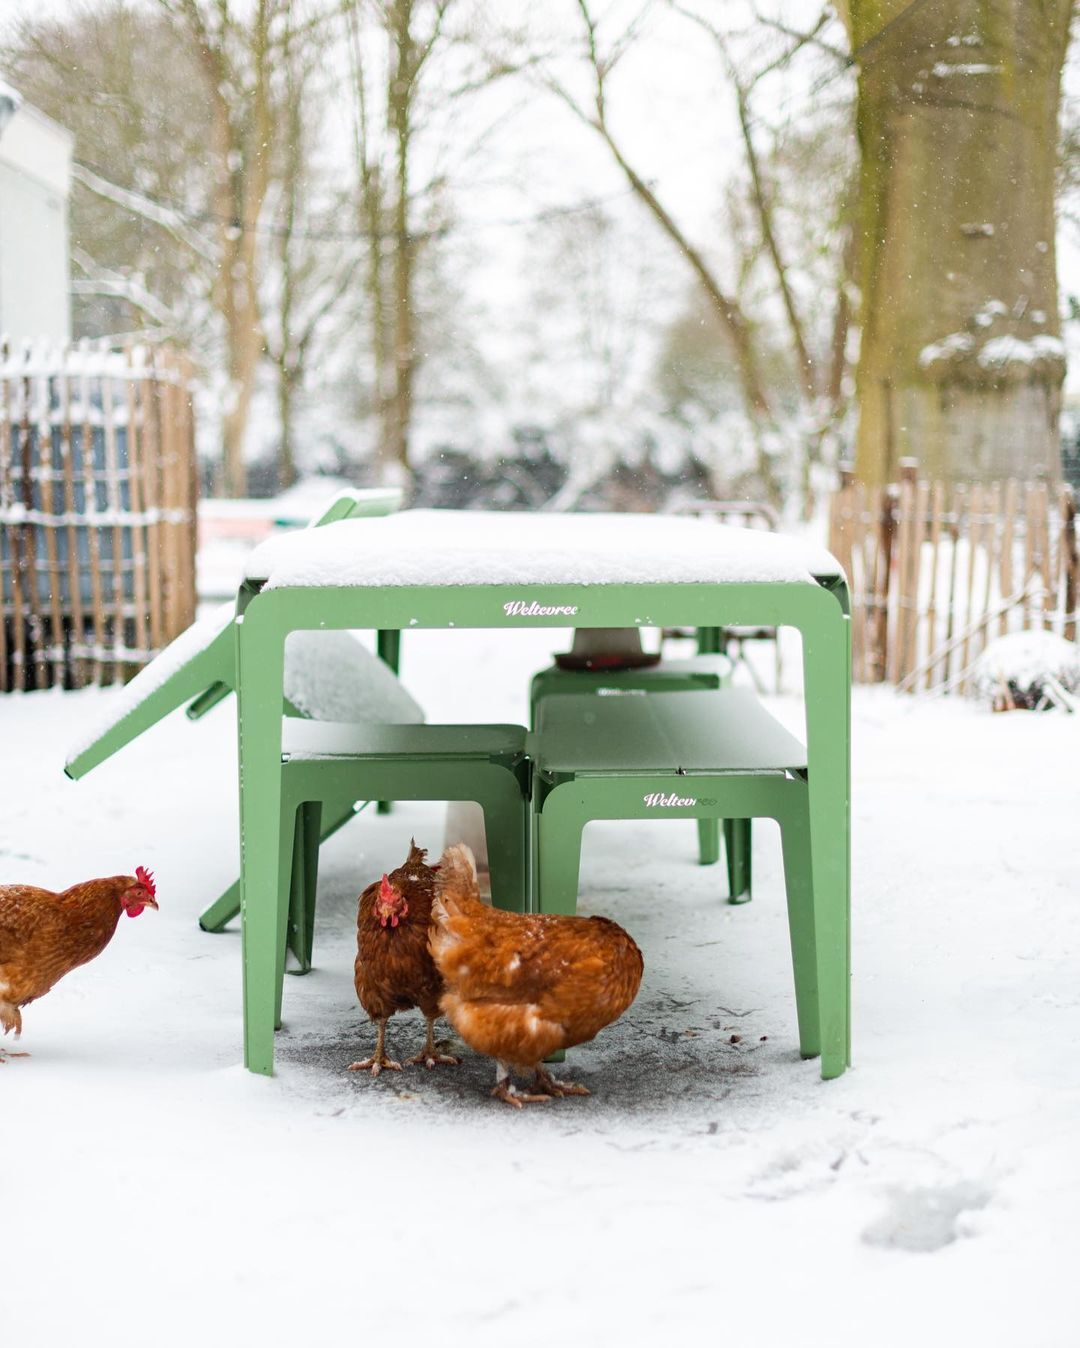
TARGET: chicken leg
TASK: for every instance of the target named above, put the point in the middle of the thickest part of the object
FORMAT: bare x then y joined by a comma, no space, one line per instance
10,1018
378,1059
429,1055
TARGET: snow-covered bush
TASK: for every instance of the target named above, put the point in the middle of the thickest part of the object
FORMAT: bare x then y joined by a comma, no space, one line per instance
1029,670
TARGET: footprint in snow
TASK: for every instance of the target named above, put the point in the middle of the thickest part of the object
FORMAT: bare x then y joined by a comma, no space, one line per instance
927,1219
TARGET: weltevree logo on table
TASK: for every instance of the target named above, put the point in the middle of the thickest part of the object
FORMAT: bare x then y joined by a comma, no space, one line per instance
518,608
658,798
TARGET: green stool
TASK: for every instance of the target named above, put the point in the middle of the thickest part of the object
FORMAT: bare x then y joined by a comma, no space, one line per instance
327,767
695,674
669,676
703,755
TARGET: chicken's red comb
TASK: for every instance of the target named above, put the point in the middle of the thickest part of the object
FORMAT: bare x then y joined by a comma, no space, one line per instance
146,878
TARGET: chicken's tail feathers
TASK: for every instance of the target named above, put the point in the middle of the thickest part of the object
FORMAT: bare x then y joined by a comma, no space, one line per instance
456,885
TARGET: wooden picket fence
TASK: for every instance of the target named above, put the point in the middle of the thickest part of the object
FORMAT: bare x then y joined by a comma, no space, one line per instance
98,491
939,569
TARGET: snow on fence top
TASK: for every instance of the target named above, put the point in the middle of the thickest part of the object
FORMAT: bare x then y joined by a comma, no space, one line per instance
469,547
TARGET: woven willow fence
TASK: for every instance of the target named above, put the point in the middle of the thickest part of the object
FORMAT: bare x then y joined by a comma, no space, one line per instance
938,570
97,513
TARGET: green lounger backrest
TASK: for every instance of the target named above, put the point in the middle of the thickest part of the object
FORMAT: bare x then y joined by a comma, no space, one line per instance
198,667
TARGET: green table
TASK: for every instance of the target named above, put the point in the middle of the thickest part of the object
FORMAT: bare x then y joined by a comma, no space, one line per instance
448,569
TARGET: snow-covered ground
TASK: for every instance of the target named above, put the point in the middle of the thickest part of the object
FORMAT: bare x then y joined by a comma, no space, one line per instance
153,1193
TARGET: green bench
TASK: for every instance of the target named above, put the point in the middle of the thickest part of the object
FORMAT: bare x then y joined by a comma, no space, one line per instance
696,755
696,673
327,768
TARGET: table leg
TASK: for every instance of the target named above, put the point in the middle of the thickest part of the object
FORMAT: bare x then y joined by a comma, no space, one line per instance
827,663
263,899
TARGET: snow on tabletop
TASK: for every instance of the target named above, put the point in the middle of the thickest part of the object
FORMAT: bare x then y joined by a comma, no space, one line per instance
447,547
330,676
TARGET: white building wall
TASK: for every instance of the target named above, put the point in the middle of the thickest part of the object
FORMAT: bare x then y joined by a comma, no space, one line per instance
35,179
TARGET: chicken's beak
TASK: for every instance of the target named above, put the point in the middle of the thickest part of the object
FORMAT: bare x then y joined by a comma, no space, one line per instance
151,903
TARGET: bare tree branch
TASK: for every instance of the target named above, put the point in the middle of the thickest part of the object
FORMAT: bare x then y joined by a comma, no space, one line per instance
143,206
802,39
763,208
114,285
726,306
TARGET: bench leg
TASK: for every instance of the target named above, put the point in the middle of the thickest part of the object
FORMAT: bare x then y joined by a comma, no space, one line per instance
708,831
558,867
222,911
388,646
795,838
505,823
558,859
305,878
290,900
737,848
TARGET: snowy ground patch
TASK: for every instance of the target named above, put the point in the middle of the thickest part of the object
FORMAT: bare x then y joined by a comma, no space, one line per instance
712,1187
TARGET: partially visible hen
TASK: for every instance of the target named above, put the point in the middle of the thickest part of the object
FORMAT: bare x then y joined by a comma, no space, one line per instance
394,970
520,986
43,935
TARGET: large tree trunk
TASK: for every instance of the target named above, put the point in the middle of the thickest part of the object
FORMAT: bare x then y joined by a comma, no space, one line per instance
961,361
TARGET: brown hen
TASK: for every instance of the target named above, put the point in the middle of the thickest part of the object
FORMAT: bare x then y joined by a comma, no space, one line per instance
521,986
394,970
43,935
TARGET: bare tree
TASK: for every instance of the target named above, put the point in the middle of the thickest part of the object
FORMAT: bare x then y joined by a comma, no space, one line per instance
237,54
411,31
312,263
734,322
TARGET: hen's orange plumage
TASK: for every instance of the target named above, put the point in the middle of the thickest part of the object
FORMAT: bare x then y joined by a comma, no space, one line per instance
520,986
394,970
43,935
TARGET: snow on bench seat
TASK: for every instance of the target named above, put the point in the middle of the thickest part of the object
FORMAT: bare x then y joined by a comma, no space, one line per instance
470,547
330,676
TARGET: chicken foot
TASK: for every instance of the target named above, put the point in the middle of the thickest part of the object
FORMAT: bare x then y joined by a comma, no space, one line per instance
506,1091
429,1055
378,1059
546,1082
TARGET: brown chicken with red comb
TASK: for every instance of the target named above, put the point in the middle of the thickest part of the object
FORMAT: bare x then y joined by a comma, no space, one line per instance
394,969
43,935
